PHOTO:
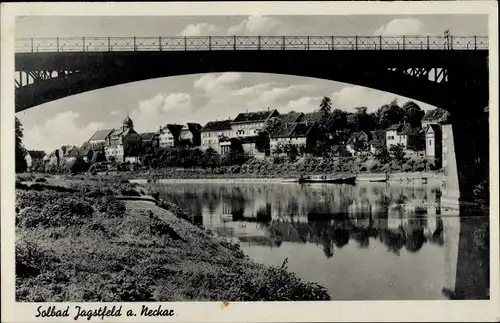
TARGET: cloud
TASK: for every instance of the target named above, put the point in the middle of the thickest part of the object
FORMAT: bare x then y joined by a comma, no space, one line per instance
256,25
58,131
114,113
160,110
201,29
214,83
350,97
303,104
398,27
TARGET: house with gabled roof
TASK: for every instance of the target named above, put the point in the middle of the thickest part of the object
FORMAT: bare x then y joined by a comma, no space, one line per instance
435,116
358,141
412,138
213,132
124,144
305,134
150,141
100,136
315,116
291,117
249,124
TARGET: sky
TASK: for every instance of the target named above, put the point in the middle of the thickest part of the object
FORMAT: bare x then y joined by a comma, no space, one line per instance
205,97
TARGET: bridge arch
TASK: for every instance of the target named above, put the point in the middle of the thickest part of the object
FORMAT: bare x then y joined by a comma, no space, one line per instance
407,72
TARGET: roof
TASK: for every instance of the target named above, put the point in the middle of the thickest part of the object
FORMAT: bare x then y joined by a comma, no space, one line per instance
407,129
358,135
292,116
148,136
284,130
302,129
394,127
217,126
257,116
101,134
313,116
434,115
77,151
378,136
123,132
434,128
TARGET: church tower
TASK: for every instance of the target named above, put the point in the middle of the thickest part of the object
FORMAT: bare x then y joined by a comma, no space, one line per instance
127,123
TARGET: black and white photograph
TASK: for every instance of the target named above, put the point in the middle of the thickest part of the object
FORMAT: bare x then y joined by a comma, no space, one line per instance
250,158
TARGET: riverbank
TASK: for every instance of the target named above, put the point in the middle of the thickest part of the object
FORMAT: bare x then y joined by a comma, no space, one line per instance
415,177
93,239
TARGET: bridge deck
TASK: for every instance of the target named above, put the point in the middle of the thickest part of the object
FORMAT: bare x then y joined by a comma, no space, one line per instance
117,44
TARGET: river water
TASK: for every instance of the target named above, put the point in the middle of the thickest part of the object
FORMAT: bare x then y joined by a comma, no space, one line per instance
375,241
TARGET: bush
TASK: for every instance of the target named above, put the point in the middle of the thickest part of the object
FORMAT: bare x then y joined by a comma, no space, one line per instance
407,167
31,260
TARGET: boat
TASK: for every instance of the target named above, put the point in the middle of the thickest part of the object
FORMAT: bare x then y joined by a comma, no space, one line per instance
290,180
372,178
334,179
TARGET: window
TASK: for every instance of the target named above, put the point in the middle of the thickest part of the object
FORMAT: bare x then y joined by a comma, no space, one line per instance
390,137
430,142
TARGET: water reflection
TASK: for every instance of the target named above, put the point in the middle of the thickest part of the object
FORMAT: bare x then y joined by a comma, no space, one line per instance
406,221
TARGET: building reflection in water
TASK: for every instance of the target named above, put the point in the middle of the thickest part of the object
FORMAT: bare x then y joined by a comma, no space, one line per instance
401,217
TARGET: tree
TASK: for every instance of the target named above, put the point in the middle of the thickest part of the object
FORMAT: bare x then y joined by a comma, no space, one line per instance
326,105
398,153
98,156
21,165
132,147
389,114
211,158
79,165
175,130
382,155
335,122
292,152
413,114
360,120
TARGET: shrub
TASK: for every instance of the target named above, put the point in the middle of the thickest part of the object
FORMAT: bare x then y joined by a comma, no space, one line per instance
407,167
31,260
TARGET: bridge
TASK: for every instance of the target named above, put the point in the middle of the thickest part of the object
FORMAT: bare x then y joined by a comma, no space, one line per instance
450,72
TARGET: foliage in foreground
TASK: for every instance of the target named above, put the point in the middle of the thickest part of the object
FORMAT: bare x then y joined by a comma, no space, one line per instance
85,246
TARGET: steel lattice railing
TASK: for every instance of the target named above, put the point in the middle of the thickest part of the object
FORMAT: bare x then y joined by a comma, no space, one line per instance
117,44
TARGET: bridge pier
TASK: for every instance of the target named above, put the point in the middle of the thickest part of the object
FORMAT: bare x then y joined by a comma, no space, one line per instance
465,154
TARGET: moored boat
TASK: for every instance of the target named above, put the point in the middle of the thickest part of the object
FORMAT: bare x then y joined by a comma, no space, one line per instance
334,179
372,178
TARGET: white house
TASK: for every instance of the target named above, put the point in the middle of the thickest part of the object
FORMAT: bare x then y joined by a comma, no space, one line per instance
410,137
165,138
249,124
213,132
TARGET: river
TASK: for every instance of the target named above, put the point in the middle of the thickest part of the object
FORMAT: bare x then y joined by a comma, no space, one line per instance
374,241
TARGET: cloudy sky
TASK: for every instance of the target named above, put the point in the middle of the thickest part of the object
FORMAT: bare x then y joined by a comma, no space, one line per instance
204,97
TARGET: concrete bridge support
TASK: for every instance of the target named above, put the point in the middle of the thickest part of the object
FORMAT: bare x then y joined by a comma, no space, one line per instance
465,154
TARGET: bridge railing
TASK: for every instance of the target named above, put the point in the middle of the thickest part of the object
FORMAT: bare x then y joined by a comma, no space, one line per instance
117,44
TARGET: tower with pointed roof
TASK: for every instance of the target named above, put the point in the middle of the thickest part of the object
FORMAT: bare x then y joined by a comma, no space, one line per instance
127,123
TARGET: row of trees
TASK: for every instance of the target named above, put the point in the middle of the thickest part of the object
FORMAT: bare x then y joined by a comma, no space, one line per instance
342,124
186,157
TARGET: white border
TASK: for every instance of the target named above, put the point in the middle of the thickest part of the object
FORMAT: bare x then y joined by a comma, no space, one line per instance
250,312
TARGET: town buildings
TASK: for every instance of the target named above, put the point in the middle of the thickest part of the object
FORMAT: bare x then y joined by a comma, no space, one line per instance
213,132
249,124
165,138
124,144
260,134
411,138
300,134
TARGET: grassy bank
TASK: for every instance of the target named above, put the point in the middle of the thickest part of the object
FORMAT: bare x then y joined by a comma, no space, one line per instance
75,241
